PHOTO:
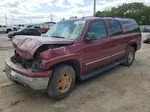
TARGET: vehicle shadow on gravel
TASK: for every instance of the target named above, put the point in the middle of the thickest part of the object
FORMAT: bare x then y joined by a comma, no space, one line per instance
98,77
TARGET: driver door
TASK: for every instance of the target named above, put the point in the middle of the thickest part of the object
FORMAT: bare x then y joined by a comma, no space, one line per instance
96,53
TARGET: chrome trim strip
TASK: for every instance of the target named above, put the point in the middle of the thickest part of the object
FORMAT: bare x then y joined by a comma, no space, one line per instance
97,60
118,53
105,58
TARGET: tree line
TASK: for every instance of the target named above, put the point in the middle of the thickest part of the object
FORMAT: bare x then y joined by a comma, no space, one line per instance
137,11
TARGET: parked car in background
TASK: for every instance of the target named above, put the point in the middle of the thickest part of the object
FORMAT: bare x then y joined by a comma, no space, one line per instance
15,27
3,28
11,28
147,40
24,31
78,48
44,27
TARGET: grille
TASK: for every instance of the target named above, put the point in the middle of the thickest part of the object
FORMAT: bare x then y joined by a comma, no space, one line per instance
29,64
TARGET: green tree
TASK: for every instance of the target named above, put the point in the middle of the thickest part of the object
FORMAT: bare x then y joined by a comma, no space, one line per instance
137,11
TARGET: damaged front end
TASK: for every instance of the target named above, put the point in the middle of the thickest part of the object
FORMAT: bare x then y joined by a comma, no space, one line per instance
33,65
28,50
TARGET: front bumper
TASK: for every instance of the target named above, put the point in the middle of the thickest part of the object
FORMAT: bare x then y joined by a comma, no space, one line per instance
9,36
25,78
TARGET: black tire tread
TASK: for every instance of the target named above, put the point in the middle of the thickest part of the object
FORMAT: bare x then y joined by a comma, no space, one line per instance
130,48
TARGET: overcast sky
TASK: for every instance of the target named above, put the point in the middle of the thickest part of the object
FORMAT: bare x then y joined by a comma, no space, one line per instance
37,11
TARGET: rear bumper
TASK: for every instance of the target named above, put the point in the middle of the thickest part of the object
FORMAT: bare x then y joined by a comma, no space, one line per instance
25,78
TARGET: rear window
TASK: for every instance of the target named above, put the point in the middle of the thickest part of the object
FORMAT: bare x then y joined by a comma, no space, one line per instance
114,27
130,26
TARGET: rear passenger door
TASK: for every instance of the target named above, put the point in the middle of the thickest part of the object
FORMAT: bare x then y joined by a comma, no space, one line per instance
117,39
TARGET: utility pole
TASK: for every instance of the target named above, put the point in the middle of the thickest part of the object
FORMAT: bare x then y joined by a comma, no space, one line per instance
6,20
51,17
94,10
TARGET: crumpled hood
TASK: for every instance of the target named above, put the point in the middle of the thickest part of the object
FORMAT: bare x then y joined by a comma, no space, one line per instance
26,46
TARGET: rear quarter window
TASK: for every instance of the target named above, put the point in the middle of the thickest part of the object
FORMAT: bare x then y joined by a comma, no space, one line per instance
114,27
130,26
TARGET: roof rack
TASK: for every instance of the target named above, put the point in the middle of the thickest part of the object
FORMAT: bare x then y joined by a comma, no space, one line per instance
113,17
87,17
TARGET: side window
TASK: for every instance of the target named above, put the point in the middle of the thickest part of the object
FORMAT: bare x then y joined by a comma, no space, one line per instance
25,31
114,27
34,31
98,27
130,26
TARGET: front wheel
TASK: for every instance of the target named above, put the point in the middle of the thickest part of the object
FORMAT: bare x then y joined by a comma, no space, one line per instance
129,56
62,82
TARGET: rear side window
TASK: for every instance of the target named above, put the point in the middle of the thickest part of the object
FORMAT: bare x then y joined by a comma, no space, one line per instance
34,30
98,27
130,26
114,27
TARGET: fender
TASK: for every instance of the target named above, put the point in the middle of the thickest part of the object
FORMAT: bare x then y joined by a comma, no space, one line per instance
47,64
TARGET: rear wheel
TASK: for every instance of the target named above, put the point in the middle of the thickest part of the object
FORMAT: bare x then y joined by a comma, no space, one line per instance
62,82
129,56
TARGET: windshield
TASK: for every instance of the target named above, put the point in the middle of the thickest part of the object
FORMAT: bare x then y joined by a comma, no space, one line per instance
69,30
19,30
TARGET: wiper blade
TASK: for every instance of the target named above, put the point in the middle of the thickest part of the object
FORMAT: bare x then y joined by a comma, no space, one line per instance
58,36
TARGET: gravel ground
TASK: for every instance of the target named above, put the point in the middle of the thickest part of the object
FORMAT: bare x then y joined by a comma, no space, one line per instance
122,89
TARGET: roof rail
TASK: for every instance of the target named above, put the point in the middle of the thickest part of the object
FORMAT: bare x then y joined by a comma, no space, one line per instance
114,17
87,16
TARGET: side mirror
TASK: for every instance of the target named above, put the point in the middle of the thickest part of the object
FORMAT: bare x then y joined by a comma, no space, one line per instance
90,37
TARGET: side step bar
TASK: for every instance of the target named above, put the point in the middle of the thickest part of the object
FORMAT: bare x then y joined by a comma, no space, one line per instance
100,70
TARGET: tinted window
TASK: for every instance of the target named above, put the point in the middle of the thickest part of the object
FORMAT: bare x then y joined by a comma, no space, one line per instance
34,30
114,27
25,30
130,26
99,28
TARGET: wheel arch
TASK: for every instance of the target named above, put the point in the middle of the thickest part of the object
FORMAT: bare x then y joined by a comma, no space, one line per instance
73,62
133,44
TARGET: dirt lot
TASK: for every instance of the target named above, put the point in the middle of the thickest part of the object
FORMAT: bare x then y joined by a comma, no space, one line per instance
122,89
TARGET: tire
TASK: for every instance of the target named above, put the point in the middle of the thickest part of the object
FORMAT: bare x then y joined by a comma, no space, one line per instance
62,74
129,56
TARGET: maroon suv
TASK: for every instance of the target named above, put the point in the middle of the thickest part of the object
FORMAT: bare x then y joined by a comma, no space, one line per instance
79,48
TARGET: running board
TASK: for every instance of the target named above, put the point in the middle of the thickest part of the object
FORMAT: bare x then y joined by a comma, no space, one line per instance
100,70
